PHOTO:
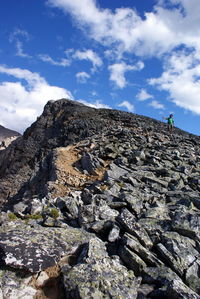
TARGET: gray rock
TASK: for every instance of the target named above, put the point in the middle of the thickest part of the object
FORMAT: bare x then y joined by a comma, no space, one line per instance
170,285
37,206
99,276
89,163
178,251
132,260
36,248
21,209
69,204
117,204
115,172
101,226
87,215
114,189
187,224
114,234
12,286
134,200
106,213
192,276
177,289
128,221
161,213
149,258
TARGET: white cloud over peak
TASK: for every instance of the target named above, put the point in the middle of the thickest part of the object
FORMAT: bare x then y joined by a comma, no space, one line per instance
46,58
143,95
127,105
118,70
181,78
82,77
22,103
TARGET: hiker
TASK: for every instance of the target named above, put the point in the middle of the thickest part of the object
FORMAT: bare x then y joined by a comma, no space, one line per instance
170,122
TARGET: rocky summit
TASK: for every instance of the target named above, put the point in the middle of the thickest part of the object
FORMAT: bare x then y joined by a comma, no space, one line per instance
99,204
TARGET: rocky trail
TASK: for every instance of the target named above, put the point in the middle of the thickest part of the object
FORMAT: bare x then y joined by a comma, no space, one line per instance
100,204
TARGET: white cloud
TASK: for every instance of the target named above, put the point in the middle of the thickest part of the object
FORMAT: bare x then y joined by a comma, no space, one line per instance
82,77
127,105
20,52
143,95
21,104
46,58
15,37
118,71
97,104
81,9
19,33
89,55
181,78
158,32
94,93
171,25
155,104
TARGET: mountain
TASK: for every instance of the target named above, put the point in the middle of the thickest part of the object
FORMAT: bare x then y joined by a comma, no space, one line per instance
100,204
7,133
7,136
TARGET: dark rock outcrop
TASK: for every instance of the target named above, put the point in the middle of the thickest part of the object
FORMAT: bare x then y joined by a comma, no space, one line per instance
107,197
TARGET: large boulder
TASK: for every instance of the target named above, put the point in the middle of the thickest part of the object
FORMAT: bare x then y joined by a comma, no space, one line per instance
34,248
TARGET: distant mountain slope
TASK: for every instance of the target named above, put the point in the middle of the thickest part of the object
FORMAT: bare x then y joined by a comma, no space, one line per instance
7,133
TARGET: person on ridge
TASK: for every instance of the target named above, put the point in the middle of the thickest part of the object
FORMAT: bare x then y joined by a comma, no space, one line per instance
170,122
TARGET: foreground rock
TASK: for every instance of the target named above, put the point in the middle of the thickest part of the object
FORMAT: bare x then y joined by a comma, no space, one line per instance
34,248
96,275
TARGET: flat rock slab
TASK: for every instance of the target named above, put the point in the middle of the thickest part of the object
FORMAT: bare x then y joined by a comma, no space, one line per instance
129,222
35,248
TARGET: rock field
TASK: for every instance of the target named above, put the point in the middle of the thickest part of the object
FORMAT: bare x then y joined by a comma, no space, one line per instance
99,204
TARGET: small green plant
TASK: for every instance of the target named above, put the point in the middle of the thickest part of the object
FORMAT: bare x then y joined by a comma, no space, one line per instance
12,216
54,213
35,216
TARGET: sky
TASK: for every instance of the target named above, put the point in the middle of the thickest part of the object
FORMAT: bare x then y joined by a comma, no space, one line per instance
140,56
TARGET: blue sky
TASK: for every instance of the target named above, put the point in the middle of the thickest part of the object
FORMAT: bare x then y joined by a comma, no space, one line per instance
137,56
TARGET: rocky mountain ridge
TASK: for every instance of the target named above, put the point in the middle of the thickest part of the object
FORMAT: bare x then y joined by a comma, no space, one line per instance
100,204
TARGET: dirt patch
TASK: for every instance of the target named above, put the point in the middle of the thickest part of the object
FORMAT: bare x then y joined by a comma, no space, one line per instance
53,288
67,176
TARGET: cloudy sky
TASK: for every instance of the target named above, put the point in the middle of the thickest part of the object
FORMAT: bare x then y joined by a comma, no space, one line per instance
141,56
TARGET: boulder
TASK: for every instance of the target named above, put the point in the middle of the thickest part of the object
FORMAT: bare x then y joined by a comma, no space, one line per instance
35,248
99,276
